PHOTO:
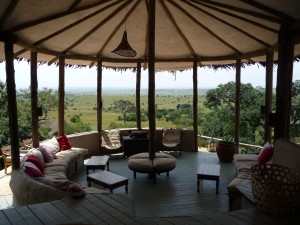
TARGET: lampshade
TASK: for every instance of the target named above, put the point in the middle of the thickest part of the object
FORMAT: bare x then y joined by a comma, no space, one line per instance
124,48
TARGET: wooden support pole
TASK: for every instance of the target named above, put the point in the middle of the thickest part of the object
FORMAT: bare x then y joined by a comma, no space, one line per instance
195,104
237,104
151,77
34,101
99,102
284,82
61,97
138,97
268,95
12,103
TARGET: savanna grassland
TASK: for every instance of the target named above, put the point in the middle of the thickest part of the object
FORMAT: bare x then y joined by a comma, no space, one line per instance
85,105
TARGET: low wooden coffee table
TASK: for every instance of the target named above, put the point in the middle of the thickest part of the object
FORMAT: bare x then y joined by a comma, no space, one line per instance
208,172
97,162
108,180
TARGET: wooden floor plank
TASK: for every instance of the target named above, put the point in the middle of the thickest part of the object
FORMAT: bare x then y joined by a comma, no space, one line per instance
160,221
3,219
14,217
93,204
48,213
69,212
122,218
28,216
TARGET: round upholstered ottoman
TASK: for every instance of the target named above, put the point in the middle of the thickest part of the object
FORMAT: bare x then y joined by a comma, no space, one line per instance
141,163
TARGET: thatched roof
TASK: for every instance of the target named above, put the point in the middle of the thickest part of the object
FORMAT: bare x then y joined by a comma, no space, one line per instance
84,31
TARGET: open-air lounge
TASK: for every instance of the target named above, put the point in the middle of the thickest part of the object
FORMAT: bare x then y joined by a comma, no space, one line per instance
159,36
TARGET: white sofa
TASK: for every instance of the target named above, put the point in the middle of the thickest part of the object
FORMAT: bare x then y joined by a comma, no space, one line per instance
29,190
286,153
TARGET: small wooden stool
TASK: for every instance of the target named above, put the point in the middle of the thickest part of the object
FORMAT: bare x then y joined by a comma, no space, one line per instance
97,162
208,172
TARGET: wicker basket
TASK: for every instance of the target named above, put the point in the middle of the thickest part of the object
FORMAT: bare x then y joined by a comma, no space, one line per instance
276,189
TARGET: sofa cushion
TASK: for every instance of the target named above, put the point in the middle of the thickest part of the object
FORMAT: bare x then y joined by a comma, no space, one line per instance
52,144
36,161
245,157
54,169
287,153
32,170
47,153
59,162
37,153
266,155
64,143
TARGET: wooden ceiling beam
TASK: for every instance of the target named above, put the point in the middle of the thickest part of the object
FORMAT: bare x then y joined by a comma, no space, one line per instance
12,5
283,17
244,11
117,28
95,28
237,17
229,24
55,16
74,5
74,24
205,28
173,21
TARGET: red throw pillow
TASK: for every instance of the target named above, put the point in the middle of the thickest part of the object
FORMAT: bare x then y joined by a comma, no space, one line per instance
266,155
64,142
33,172
36,161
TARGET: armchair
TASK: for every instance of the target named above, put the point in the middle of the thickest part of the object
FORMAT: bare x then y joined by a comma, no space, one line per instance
6,157
111,142
171,140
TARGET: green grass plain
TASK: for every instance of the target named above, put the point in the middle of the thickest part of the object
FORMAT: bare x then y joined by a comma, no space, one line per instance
85,105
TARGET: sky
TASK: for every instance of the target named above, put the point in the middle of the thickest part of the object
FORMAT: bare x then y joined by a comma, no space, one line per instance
87,77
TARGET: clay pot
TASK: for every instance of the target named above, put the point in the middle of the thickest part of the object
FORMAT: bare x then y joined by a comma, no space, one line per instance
226,151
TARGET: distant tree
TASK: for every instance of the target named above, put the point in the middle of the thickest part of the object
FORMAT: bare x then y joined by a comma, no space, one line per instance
124,107
47,99
220,121
76,125
295,110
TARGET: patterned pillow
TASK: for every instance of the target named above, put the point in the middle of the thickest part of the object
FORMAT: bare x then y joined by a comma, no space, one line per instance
36,161
39,154
47,153
64,143
52,144
32,170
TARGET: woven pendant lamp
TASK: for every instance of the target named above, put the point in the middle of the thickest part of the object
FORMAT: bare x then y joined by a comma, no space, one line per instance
124,48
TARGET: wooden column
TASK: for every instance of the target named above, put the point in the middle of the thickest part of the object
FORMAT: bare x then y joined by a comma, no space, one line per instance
12,99
195,104
61,97
151,77
237,104
99,102
138,97
268,95
284,82
34,100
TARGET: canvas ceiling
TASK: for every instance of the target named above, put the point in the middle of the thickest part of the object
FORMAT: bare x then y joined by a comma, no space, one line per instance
216,32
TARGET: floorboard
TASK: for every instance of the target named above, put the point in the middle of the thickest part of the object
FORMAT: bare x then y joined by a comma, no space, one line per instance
176,194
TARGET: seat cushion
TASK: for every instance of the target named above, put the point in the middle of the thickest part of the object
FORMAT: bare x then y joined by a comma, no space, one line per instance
141,165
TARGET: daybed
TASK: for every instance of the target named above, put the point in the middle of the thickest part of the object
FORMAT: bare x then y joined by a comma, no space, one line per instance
43,174
285,153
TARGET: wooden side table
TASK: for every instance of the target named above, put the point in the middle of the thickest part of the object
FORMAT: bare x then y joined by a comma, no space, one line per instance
97,162
108,180
208,172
